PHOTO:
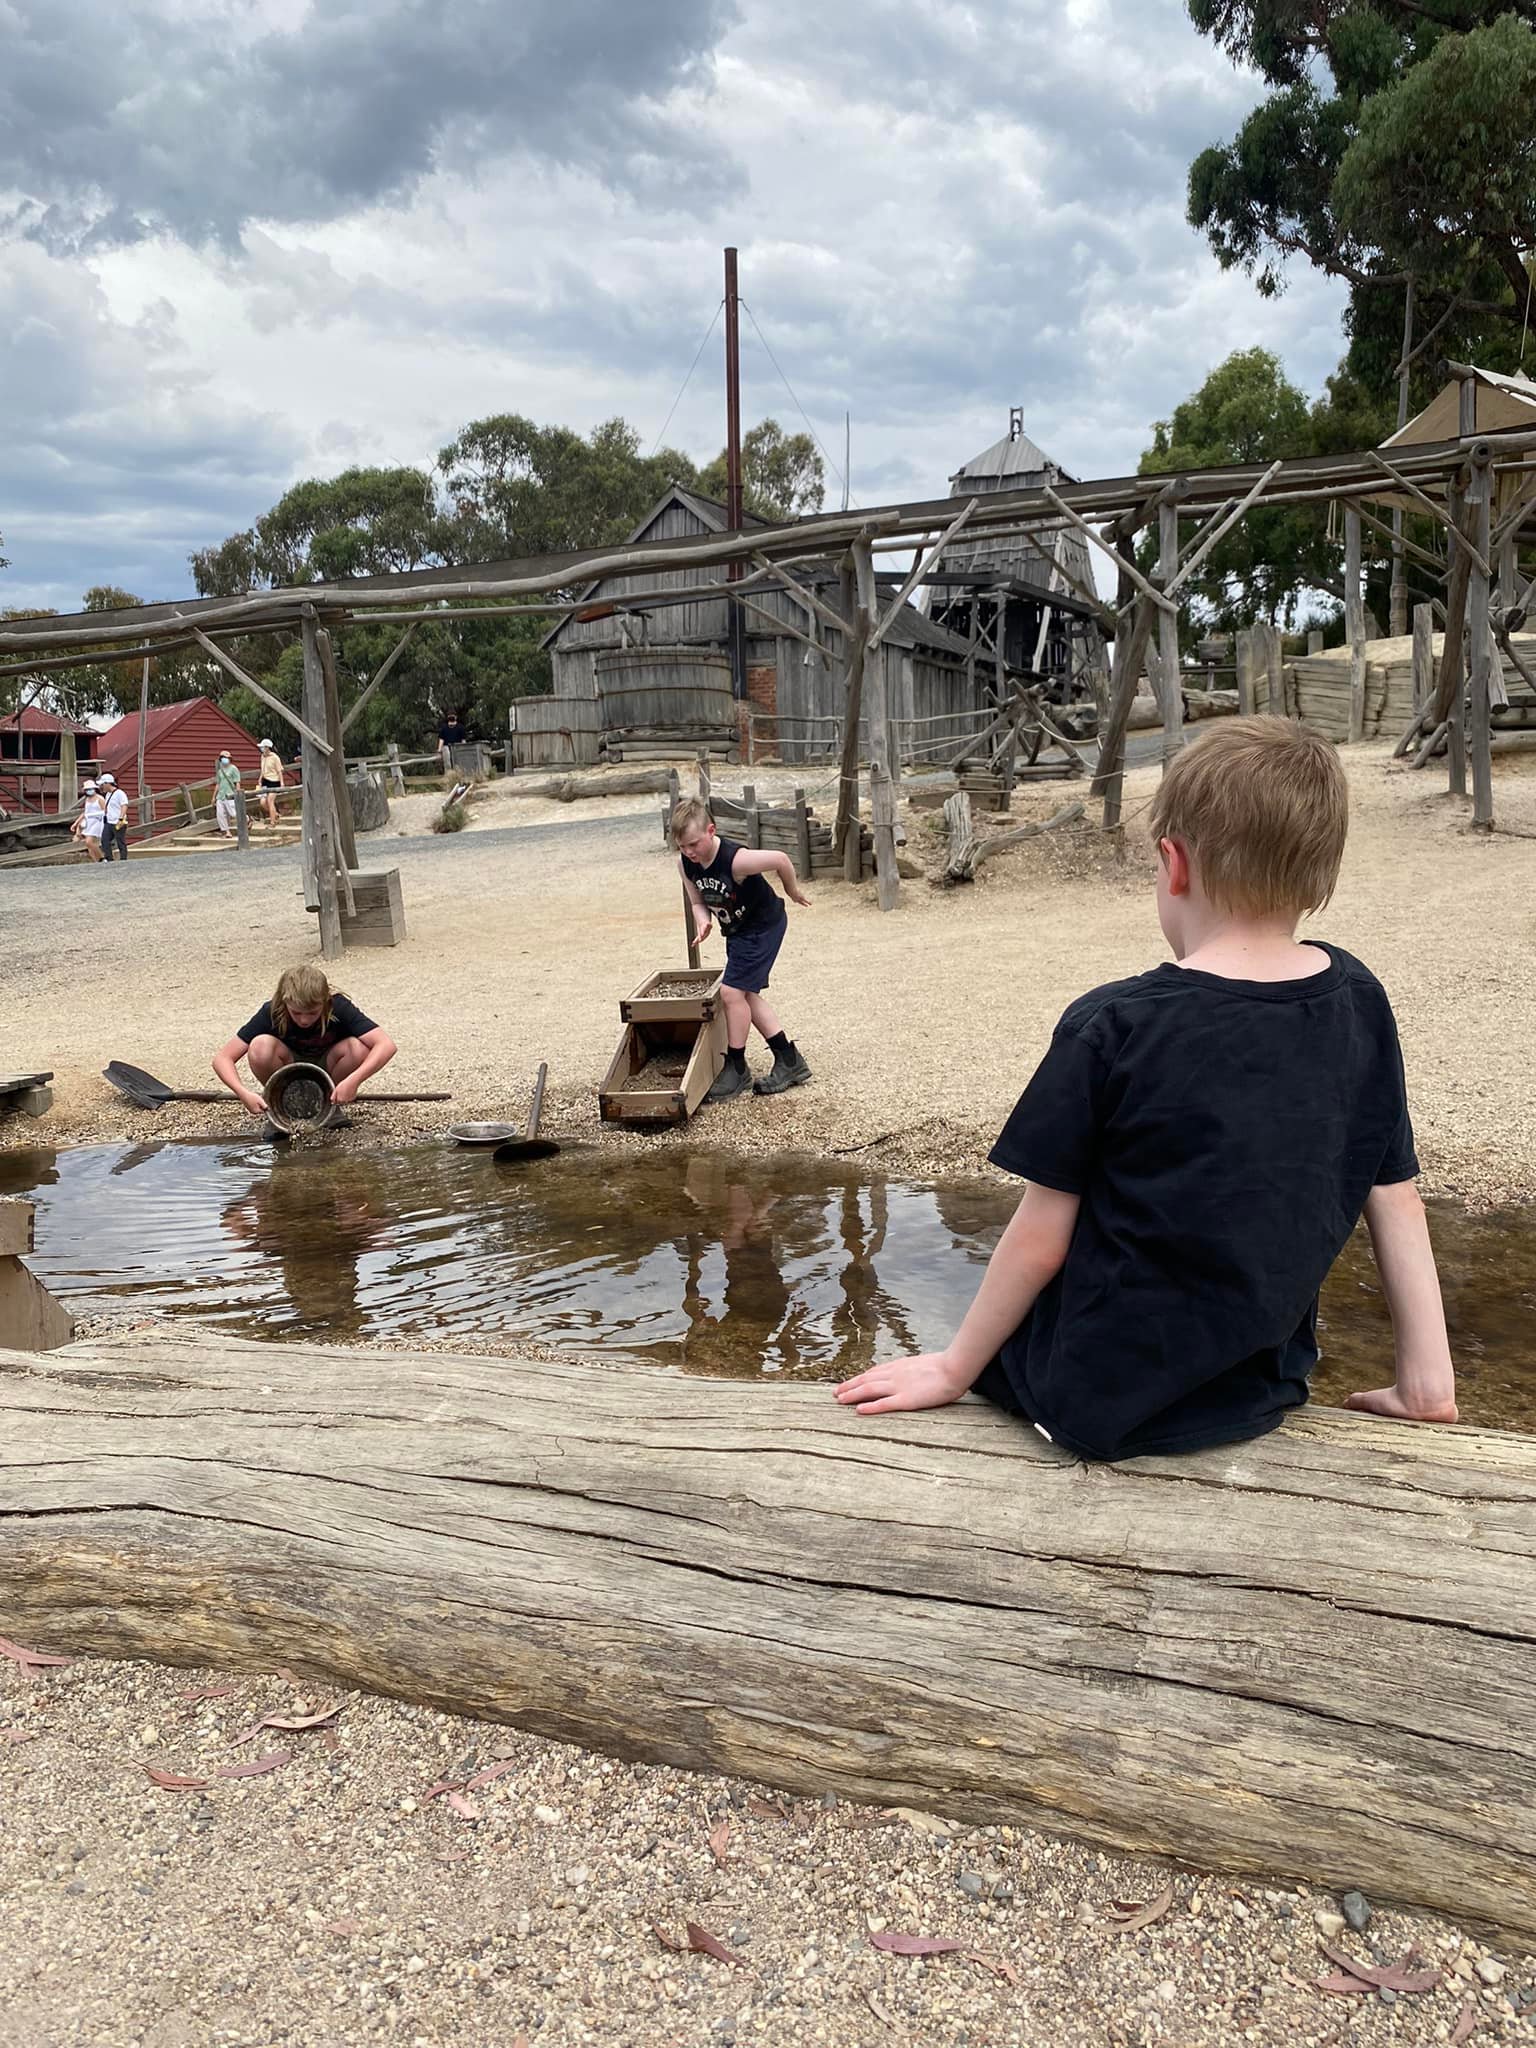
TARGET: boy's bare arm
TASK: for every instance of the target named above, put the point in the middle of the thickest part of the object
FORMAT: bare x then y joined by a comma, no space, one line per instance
701,917
751,862
1425,1386
1031,1251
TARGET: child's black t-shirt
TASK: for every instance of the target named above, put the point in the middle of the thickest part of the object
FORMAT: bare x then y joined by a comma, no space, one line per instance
739,908
314,1041
1223,1137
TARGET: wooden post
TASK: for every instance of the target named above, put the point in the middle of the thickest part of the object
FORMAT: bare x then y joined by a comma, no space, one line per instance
1354,622
242,823
347,839
1130,652
703,779
1397,602
1247,662
1314,640
882,805
1479,510
143,735
669,804
186,797
1423,654
318,809
69,773
1168,634
858,602
396,772
802,836
751,823
1456,738
690,936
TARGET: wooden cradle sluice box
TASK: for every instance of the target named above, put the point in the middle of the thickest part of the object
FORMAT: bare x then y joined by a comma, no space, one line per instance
672,1048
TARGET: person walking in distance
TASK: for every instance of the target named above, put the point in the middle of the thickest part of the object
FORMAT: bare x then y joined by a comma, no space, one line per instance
88,827
226,787
269,780
114,835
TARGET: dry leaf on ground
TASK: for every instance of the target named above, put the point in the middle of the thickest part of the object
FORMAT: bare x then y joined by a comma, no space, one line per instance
171,1781
1131,1918
914,1944
466,1809
1343,1986
1390,1977
719,1843
445,1785
289,1724
274,1761
1466,2025
925,1823
998,1965
707,1944
878,2009
671,1941
490,1774
205,1692
343,1926
18,1735
30,1660
767,1809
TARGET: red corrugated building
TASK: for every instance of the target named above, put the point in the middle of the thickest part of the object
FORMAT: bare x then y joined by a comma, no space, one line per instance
33,735
182,744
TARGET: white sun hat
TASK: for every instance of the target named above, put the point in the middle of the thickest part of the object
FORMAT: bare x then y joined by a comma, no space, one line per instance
109,777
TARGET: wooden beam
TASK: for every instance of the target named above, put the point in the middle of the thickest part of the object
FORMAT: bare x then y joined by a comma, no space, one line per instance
346,837
1354,621
1423,655
806,1628
380,673
1442,514
1400,541
1125,568
801,595
919,570
319,818
779,625
1168,634
1479,504
1212,536
1130,654
232,667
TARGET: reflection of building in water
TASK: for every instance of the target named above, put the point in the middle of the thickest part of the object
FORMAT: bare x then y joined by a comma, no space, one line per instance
316,1221
783,1278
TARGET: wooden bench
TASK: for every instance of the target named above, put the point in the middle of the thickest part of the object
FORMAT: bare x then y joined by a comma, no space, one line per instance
29,1093
30,1318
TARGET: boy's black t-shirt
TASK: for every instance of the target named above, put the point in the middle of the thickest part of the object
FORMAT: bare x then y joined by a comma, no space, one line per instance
1223,1137
750,905
347,1021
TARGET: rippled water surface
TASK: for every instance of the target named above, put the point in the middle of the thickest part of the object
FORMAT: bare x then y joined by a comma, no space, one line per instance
704,1260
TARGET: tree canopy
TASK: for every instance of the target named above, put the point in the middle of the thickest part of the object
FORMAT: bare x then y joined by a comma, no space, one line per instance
1395,144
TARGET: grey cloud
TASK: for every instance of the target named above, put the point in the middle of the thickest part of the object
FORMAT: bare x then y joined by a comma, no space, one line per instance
118,122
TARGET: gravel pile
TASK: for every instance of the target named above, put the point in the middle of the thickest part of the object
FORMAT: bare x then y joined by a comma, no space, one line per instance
397,1875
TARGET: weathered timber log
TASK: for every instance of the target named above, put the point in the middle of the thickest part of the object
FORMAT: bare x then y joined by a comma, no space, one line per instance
1314,1654
568,789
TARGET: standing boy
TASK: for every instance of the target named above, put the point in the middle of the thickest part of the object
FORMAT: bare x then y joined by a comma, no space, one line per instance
114,831
1198,1143
226,787
726,884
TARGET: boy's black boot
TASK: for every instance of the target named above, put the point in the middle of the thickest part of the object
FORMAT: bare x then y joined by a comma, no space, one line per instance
788,1071
734,1078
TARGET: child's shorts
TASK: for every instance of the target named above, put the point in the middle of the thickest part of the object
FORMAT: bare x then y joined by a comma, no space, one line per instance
749,957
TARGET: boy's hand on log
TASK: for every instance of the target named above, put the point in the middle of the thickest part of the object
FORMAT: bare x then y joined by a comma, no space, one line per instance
929,1380
1390,1402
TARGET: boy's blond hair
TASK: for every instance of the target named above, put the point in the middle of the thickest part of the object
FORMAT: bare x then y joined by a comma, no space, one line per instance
691,815
302,988
1263,806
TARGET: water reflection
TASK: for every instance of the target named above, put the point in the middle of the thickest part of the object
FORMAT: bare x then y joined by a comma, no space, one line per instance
787,1265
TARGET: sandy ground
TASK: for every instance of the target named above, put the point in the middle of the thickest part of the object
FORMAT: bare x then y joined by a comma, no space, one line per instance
334,1899
331,1901
921,1026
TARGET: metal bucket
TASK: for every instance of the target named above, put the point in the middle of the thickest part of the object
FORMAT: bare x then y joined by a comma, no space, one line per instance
298,1098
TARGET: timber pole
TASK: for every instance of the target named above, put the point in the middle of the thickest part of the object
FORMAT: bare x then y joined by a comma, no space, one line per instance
1168,634
347,837
736,618
319,809
1397,603
1479,515
1354,621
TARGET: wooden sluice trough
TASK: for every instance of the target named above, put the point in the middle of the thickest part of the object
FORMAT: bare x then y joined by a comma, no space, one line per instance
1313,1655
672,1047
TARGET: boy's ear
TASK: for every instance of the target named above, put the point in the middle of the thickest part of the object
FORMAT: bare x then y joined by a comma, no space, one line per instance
1175,859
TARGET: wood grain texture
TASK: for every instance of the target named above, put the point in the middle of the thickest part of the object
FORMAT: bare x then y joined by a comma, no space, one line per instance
1314,1654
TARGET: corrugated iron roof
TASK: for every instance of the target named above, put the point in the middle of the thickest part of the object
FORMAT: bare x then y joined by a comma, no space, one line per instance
121,742
1012,456
32,720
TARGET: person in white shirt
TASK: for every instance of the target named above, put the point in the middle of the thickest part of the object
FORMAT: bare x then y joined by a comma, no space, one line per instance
87,828
269,780
226,787
114,838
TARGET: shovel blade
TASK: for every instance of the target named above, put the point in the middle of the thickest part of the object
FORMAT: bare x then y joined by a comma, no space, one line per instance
518,1151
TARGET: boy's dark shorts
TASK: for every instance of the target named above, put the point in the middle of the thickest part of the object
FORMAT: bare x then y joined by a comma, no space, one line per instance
749,957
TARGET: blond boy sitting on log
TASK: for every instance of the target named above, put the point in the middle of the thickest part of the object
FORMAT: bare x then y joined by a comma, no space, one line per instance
1197,1145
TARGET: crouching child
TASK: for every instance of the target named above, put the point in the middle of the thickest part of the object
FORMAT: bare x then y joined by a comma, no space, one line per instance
1197,1145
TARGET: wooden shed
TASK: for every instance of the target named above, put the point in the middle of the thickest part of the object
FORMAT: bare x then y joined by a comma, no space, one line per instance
38,738
794,694
182,743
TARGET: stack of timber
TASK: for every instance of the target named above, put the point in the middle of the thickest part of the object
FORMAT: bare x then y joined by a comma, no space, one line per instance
1318,686
684,743
1312,1656
796,831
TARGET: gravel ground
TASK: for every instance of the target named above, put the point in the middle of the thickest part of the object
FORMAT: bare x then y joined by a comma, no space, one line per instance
337,1899
921,1027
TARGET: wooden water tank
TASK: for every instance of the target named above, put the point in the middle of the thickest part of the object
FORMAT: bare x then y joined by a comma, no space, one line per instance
554,732
681,690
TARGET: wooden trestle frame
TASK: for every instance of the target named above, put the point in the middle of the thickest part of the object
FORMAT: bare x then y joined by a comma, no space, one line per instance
1455,482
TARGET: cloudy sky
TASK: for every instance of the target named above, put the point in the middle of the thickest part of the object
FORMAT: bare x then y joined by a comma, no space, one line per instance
247,241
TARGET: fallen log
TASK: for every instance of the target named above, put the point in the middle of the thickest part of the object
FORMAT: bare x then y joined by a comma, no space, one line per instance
1312,1655
567,789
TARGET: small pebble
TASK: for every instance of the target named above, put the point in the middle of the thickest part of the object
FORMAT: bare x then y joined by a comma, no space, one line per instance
1357,1910
972,1883
1490,1972
546,1816
1329,1923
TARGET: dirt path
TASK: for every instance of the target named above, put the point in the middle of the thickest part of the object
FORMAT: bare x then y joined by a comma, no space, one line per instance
921,1026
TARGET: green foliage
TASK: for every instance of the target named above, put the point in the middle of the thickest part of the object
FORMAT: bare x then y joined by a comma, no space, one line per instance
782,476
1395,142
520,489
451,818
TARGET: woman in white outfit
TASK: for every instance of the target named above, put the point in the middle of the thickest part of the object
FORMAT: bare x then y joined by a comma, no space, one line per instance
87,827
